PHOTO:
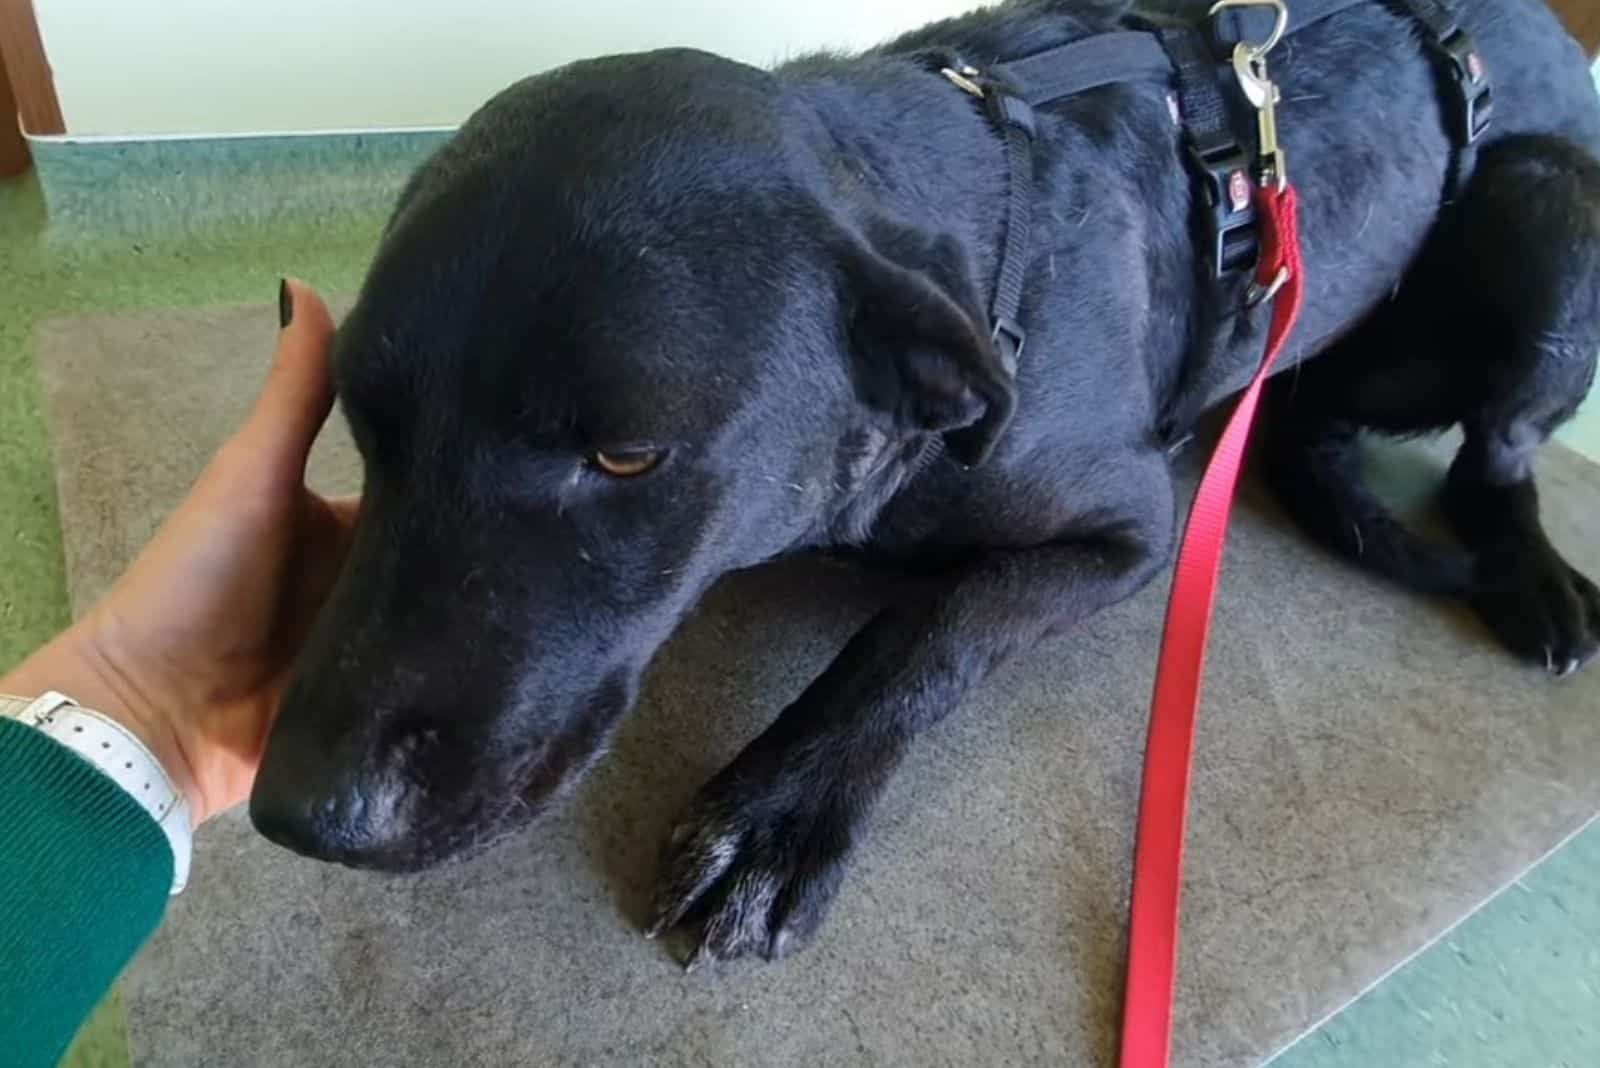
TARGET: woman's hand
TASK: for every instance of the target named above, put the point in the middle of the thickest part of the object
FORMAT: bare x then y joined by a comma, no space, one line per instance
192,647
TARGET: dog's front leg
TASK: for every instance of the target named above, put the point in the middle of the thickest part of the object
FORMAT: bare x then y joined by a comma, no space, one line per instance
758,856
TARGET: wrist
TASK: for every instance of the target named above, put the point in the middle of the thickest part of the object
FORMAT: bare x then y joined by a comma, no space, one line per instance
82,664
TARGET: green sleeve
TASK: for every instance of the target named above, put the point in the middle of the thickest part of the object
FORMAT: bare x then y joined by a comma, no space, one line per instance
84,877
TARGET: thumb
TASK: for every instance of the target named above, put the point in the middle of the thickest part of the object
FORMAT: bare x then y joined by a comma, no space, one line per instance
298,394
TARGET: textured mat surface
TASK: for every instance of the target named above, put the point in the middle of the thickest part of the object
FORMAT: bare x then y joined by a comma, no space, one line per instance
1369,769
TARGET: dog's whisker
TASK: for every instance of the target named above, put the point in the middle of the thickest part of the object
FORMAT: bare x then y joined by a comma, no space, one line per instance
1366,221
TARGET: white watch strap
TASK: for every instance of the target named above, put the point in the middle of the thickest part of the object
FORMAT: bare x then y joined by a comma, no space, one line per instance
112,748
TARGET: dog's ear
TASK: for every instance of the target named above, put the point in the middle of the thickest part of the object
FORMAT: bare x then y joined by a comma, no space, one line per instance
920,348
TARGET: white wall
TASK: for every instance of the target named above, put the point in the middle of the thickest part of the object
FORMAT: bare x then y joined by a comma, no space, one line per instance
133,67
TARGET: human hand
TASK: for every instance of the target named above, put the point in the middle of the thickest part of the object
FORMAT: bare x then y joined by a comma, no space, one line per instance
191,649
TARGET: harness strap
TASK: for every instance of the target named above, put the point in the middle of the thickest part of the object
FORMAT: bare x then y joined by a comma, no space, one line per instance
1192,57
1009,93
1433,15
1007,332
1014,116
1463,82
1216,156
1124,56
1106,59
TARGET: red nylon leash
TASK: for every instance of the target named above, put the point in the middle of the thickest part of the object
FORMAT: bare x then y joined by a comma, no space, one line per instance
1169,747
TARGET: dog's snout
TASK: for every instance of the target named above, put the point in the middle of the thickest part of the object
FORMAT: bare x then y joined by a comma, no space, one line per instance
347,825
328,808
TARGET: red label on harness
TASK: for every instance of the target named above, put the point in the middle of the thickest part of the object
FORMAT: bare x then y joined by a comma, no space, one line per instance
1239,190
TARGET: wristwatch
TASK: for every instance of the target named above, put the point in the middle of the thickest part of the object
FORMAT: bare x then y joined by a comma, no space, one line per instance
112,748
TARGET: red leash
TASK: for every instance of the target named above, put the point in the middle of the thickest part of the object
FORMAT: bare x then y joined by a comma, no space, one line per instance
1169,748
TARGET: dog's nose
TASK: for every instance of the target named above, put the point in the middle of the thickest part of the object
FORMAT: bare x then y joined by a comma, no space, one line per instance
305,802
346,826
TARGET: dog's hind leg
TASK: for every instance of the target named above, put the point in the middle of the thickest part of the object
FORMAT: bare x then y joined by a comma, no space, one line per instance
1314,464
1497,328
1529,250
1391,375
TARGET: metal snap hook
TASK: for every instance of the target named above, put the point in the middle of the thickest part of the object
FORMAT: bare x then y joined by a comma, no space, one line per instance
1250,68
1252,74
1279,27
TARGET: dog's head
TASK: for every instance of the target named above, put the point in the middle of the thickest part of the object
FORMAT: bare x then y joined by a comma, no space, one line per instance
620,339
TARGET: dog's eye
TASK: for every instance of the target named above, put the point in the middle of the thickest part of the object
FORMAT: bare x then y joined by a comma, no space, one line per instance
627,463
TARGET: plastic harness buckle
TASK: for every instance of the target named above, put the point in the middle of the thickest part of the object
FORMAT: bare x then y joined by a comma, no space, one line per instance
1223,169
1468,82
1009,339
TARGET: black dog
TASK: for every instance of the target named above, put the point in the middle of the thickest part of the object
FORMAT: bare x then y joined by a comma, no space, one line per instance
651,318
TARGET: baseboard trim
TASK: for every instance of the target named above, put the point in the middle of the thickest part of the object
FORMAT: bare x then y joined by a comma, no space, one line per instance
120,185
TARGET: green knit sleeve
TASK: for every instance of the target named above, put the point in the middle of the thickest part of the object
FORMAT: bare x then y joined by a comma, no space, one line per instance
84,877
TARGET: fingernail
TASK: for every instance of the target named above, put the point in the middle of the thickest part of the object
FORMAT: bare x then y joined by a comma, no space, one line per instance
285,304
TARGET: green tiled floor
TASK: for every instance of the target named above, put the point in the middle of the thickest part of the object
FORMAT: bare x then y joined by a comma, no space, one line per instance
1514,986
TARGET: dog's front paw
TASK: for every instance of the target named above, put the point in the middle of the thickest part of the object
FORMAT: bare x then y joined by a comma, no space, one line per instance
755,864
1543,610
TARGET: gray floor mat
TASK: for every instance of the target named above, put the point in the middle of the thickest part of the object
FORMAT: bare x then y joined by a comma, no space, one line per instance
1370,768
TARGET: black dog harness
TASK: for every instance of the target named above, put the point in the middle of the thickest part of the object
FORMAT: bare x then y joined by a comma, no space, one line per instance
1197,60
1228,207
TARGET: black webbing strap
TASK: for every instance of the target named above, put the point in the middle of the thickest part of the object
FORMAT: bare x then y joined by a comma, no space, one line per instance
1009,92
1106,59
1464,85
1192,57
1013,116
1464,78
1432,14
1216,155
1009,337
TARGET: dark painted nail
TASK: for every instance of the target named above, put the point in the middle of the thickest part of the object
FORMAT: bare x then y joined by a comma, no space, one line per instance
285,304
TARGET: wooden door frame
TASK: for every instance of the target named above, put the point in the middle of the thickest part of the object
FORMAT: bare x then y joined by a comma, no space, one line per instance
1583,21
27,89
14,156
